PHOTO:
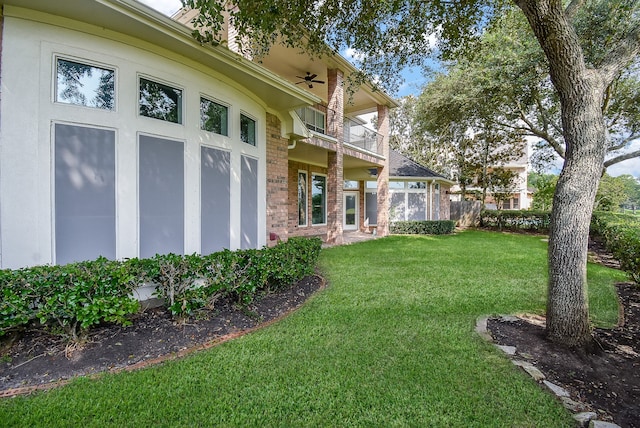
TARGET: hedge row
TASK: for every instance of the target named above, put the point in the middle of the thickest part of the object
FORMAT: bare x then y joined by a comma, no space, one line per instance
537,221
621,234
79,295
425,227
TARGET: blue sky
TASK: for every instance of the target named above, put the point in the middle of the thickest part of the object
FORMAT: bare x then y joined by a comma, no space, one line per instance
413,80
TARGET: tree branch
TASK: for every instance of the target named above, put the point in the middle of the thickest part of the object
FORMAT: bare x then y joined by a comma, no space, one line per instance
573,8
621,158
619,58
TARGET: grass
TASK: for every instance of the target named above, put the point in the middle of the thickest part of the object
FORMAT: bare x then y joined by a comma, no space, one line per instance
389,343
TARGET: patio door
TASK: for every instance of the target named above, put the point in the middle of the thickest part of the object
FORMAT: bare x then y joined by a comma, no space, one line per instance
350,211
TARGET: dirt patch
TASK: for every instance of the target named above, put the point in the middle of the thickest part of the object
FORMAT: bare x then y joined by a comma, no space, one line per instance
606,378
35,358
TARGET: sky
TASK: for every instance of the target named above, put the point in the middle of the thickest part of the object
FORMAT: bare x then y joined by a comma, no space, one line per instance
414,79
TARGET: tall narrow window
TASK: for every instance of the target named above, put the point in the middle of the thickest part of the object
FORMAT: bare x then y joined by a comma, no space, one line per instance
215,199
161,193
249,202
85,85
247,130
302,198
160,101
319,199
214,117
85,193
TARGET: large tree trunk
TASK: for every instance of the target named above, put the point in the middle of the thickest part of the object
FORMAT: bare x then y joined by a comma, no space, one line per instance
580,91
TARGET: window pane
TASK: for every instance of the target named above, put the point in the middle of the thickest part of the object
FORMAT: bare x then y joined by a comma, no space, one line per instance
85,193
302,198
214,117
318,199
160,101
351,184
161,196
249,203
372,184
371,207
417,185
247,130
396,212
417,209
215,200
85,85
396,185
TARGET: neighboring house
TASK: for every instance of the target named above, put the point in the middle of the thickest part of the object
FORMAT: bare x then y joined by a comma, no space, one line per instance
122,136
520,197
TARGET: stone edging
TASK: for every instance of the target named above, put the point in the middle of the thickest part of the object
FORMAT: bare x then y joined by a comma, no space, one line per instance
582,412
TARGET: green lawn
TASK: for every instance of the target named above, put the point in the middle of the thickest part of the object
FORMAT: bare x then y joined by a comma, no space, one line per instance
390,342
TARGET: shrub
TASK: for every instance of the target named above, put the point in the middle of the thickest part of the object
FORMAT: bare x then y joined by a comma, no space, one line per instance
621,235
423,227
537,221
79,295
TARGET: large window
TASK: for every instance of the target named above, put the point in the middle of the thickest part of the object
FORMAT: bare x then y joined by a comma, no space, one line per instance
249,202
247,130
314,119
161,196
408,200
85,193
302,198
319,199
215,199
85,85
160,101
214,117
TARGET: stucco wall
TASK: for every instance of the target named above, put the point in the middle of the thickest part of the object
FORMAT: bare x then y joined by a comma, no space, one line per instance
29,111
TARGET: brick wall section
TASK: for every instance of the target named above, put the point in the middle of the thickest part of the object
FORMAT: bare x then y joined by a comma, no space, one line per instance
383,173
277,184
335,178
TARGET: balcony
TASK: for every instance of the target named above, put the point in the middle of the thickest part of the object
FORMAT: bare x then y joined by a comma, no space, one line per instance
358,135
355,133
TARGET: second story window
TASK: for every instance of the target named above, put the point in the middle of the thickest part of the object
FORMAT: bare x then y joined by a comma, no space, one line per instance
247,130
214,117
160,101
85,85
314,119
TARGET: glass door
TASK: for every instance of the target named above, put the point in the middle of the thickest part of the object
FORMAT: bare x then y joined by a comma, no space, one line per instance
350,210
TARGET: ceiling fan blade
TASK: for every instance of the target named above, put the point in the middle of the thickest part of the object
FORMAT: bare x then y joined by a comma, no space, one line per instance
318,81
311,76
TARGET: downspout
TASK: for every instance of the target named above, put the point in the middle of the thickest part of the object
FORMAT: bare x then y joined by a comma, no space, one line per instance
431,200
292,145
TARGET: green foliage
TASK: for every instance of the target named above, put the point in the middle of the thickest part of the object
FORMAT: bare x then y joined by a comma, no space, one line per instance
621,234
537,221
74,296
614,192
545,185
423,227
78,296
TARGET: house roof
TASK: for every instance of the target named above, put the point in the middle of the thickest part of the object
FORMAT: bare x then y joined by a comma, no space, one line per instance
401,166
134,19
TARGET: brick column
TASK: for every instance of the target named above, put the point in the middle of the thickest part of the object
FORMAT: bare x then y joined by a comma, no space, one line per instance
335,179
277,182
383,173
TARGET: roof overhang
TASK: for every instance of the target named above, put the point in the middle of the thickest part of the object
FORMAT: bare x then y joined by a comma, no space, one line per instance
134,19
434,179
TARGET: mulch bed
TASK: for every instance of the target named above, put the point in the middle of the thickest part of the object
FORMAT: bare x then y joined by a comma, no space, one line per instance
36,360
607,377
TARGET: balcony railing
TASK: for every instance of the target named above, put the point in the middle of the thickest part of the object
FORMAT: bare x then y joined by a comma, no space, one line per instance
354,133
360,136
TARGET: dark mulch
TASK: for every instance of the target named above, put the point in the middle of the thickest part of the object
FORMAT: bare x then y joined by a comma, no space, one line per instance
36,358
607,377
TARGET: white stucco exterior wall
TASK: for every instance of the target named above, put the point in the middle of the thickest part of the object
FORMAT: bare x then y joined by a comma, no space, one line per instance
28,112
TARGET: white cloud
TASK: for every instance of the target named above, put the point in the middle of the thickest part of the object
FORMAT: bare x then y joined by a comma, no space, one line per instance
167,7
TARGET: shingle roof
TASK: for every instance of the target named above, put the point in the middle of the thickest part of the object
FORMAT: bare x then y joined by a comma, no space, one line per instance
402,166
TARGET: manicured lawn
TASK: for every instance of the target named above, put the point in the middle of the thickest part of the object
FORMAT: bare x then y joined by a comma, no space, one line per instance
389,343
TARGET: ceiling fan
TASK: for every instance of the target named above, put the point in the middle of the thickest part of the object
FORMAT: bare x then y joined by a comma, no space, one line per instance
309,79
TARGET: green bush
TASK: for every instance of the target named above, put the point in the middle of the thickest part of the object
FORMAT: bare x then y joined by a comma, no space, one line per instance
423,227
621,235
536,221
80,295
